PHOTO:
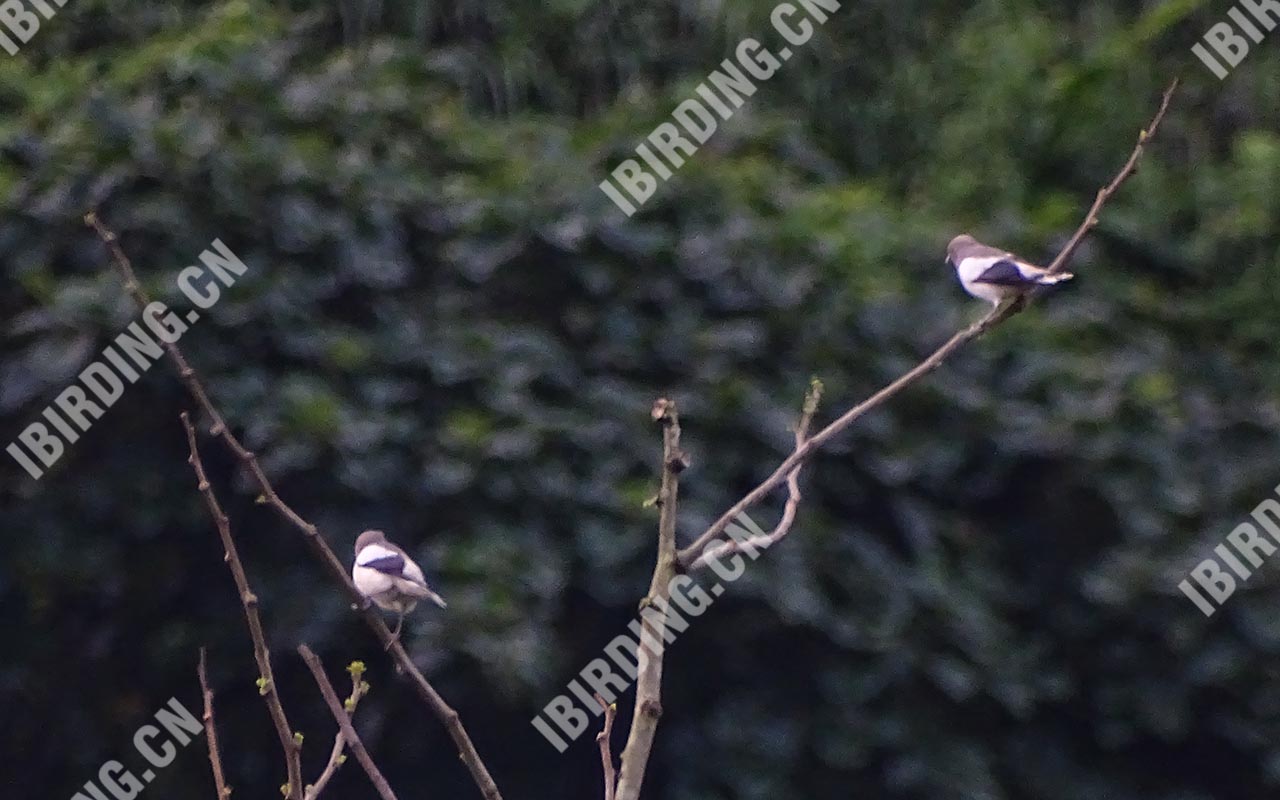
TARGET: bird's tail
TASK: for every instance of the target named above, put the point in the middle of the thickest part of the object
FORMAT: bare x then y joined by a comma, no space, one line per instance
437,599
423,593
1050,278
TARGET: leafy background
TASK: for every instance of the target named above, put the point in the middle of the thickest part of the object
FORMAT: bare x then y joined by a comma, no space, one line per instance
449,332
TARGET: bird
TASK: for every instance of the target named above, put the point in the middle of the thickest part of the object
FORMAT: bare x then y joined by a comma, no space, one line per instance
384,574
992,274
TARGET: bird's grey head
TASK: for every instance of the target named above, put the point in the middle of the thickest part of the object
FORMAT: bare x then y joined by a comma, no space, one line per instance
369,537
958,246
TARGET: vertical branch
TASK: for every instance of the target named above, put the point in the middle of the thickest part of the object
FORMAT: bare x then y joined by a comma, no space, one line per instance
644,721
211,732
344,723
266,680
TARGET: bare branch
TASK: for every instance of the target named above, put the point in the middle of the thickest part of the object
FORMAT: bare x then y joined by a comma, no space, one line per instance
606,755
344,723
261,654
644,721
993,318
724,548
320,548
1104,194
358,690
211,732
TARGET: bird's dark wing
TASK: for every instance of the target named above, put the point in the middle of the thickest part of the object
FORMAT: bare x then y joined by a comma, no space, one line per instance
389,564
1004,273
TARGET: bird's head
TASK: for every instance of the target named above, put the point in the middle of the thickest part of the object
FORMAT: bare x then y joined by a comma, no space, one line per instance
957,247
369,537
959,243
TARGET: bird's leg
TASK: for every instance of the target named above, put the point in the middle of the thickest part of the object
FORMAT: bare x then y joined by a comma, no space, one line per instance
395,634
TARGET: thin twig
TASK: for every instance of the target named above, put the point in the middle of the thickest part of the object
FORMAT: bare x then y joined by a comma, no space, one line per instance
606,755
1104,194
344,723
261,654
993,318
336,758
211,732
764,541
644,720
337,571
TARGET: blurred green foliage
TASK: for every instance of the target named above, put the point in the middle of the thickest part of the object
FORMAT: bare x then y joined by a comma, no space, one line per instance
449,332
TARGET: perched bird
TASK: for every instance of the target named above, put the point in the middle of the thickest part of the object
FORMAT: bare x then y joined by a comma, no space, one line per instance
993,274
386,575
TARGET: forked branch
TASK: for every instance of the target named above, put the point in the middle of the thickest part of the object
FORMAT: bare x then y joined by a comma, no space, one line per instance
336,756
345,727
320,548
708,545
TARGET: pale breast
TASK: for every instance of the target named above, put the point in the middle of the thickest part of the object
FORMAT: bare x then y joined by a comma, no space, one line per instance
371,582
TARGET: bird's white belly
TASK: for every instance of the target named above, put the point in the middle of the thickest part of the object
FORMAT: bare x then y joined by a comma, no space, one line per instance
382,590
990,292
370,581
970,269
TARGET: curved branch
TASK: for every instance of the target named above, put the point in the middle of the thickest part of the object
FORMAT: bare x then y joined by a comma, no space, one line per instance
320,548
767,540
606,753
993,318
